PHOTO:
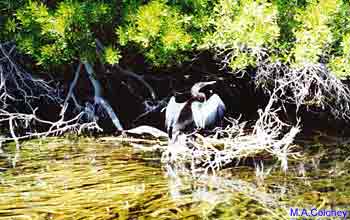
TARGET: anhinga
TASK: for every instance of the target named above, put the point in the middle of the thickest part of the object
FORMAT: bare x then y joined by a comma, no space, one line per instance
197,111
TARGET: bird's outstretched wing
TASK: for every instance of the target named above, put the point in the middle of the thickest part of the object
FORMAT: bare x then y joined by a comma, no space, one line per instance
172,113
208,113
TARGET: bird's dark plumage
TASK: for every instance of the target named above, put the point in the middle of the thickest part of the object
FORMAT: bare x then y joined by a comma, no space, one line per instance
197,111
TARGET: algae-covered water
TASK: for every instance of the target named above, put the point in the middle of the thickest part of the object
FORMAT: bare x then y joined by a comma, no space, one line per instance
86,179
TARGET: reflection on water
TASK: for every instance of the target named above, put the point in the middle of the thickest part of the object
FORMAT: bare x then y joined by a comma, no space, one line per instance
89,180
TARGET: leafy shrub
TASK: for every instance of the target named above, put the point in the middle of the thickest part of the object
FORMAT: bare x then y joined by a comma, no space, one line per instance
111,55
244,27
340,58
159,31
314,36
59,35
168,32
340,65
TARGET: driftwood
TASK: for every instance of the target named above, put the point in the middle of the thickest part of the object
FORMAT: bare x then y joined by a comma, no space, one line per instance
147,130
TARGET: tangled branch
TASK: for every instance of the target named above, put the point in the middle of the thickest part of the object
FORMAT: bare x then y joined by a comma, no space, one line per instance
313,86
270,135
21,94
16,85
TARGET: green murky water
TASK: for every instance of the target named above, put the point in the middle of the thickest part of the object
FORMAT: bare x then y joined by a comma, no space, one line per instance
61,179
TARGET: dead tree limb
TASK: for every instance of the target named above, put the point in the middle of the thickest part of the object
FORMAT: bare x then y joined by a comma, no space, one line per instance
100,49
99,100
21,95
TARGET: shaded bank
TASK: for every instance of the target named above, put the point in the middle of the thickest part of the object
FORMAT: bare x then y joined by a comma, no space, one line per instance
135,106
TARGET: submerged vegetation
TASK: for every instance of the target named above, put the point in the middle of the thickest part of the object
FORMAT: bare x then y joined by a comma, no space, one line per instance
84,178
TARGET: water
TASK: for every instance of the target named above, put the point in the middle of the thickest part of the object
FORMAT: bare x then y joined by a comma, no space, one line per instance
85,179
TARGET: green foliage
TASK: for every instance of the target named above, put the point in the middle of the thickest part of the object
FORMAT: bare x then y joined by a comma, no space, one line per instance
129,7
245,27
55,36
10,26
314,36
340,23
168,32
287,10
198,16
111,55
340,65
7,8
340,59
191,6
298,33
159,31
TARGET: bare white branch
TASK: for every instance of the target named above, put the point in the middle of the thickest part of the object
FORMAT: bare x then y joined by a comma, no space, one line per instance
22,94
99,100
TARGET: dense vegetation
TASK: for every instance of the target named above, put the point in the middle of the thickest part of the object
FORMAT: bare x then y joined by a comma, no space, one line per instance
297,33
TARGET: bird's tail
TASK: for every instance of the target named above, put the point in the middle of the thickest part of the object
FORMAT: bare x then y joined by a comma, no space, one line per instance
173,137
170,132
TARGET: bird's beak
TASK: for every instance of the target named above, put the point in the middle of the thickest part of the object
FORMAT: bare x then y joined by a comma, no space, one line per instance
198,86
208,83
